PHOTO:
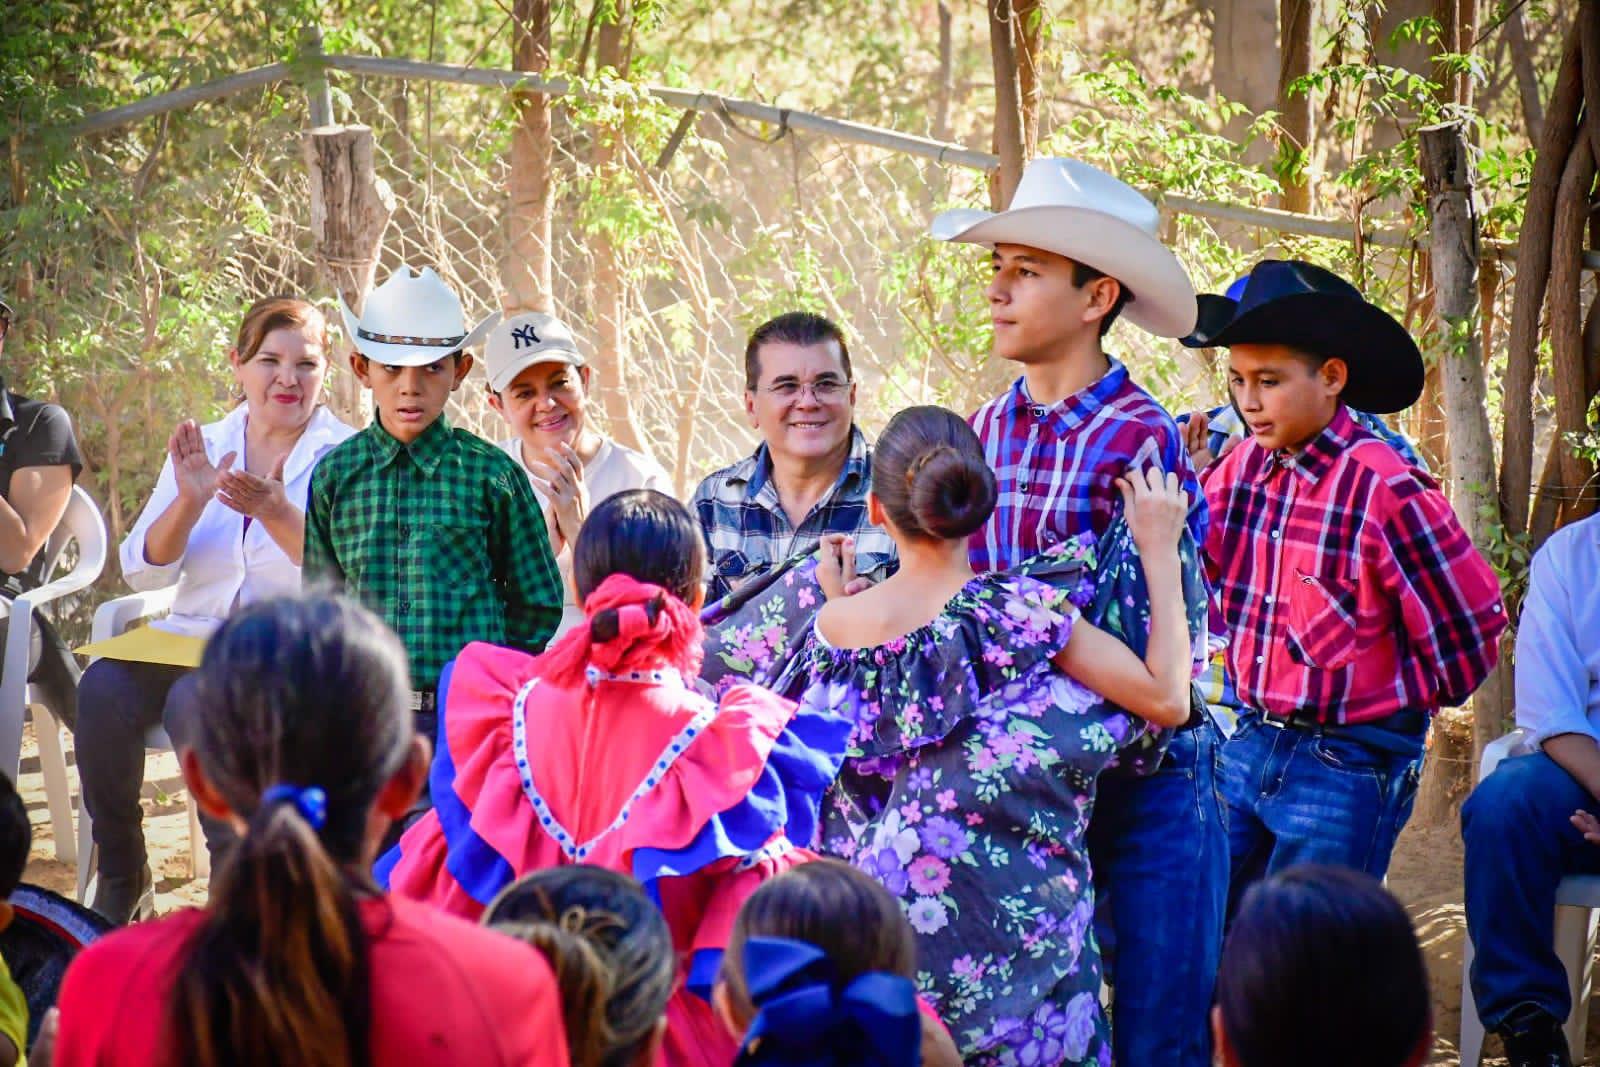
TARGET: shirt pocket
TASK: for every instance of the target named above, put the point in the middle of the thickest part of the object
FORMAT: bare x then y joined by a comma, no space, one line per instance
1323,623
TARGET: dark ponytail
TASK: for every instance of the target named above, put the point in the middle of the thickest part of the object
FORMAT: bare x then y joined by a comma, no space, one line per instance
929,474
304,721
611,952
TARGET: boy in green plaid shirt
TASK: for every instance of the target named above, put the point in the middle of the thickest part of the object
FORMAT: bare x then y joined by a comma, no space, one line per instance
436,530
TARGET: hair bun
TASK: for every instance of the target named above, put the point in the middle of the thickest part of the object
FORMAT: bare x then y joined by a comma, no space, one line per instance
952,493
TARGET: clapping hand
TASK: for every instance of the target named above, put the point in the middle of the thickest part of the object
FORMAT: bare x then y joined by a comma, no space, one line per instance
1588,826
561,481
259,498
195,474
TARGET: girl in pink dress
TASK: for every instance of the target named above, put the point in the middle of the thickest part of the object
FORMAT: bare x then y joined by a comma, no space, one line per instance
601,751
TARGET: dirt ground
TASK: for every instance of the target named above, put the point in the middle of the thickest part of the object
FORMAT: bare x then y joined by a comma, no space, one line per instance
1426,875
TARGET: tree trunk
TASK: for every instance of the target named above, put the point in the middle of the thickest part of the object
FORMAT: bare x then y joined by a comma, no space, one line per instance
1008,132
1295,18
350,209
1576,473
1244,64
946,87
1453,251
1028,19
526,271
1458,25
1527,298
610,297
1516,29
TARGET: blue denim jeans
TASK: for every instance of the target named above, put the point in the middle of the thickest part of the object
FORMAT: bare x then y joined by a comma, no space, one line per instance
1294,796
1160,855
1519,844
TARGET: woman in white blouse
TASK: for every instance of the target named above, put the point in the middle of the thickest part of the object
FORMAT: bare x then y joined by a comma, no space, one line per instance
226,525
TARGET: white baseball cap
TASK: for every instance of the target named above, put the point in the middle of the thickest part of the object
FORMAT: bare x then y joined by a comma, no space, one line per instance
523,340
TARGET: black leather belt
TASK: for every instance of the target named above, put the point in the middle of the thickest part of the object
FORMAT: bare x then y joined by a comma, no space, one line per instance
1409,722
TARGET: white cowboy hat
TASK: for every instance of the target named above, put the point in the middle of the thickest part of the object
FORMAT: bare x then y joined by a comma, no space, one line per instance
1083,213
523,340
411,320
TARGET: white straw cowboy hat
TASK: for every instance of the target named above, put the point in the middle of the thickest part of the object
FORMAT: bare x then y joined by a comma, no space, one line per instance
1083,213
523,340
411,320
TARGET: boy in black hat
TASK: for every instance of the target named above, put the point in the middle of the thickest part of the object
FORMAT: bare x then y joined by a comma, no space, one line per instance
1356,603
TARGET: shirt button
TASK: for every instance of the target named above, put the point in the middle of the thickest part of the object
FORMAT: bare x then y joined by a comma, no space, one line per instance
1023,486
1261,659
1269,600
405,607
1275,534
1037,412
405,532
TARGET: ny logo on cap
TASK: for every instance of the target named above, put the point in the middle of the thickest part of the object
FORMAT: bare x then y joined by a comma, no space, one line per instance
523,335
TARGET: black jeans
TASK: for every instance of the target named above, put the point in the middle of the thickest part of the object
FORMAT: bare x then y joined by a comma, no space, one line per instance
117,703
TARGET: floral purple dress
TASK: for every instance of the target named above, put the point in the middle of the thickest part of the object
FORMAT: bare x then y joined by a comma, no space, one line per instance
966,792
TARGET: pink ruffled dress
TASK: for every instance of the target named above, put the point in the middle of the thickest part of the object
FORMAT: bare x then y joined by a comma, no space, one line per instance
606,754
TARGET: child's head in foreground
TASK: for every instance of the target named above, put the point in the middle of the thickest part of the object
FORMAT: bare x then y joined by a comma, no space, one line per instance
818,971
1321,969
611,953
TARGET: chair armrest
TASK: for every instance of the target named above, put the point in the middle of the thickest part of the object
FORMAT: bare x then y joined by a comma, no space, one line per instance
1499,749
115,616
78,578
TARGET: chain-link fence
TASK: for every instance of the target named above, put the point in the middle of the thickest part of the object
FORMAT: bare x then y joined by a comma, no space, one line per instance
178,222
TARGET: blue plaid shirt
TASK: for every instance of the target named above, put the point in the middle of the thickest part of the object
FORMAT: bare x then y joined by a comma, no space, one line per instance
748,533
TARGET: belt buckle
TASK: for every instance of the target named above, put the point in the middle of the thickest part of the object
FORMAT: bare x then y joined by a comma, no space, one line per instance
1276,724
416,700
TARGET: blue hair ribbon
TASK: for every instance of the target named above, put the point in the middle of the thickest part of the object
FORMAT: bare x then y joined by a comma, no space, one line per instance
310,801
805,1019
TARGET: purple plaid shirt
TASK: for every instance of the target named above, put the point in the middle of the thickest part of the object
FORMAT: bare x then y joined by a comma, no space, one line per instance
1056,467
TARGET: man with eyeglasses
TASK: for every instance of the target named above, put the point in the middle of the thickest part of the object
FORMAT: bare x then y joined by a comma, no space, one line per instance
39,461
808,479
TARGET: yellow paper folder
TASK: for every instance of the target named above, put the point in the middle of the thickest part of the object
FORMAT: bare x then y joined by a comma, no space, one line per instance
147,644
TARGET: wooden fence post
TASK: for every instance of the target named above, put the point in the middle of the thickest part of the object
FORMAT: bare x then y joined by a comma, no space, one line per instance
350,209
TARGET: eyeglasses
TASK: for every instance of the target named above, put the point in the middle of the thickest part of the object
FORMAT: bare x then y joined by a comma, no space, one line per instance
823,390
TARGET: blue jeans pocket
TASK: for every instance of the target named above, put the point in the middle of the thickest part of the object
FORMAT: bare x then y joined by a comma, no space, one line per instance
1349,757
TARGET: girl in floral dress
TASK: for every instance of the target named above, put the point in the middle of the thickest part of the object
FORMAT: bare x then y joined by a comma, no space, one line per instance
981,717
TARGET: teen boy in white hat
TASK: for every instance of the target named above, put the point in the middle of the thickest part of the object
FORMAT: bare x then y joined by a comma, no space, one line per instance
1076,249
435,529
539,382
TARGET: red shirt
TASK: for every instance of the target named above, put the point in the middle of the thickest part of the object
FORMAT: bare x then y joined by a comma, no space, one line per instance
443,992
1348,586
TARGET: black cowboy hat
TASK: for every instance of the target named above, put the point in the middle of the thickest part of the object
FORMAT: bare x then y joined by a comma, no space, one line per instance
1301,305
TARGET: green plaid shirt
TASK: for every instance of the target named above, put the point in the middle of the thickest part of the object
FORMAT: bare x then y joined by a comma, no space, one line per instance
443,538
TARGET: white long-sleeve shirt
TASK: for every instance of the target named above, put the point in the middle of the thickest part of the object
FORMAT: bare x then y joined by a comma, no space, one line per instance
1558,641
224,564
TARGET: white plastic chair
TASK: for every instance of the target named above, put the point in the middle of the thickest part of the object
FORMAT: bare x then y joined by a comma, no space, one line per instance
113,618
81,524
1577,915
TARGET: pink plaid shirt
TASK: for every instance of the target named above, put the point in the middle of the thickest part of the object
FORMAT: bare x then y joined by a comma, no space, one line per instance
1056,467
1348,586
